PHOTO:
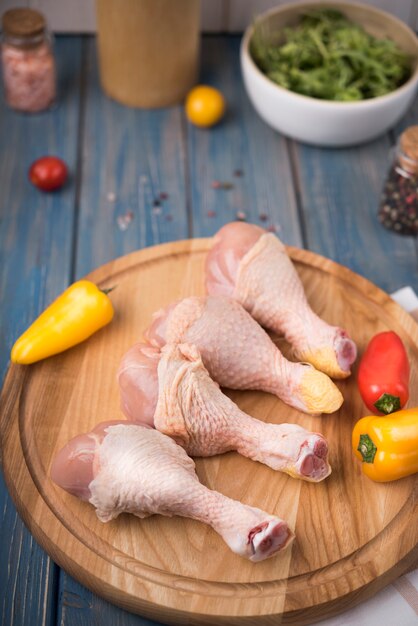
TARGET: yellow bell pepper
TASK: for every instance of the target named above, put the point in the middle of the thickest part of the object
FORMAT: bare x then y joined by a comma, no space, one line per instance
387,446
76,314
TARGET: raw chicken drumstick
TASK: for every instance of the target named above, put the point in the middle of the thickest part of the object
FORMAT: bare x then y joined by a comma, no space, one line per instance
239,354
123,467
190,408
252,266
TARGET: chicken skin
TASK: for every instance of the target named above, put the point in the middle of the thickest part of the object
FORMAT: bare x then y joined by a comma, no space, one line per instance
252,266
239,354
121,467
190,407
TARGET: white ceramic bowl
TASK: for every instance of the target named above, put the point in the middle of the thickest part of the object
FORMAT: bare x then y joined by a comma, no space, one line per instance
327,122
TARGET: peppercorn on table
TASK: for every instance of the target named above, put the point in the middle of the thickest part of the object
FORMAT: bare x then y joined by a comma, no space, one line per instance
142,177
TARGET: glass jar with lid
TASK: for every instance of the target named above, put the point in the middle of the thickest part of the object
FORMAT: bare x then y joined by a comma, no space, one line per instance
28,63
398,210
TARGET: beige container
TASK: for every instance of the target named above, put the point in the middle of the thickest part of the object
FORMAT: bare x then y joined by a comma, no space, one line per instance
148,50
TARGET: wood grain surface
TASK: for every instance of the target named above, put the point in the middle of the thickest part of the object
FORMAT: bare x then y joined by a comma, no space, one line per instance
320,199
353,536
36,239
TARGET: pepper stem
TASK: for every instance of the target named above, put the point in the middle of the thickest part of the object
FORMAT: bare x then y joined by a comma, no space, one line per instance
108,290
388,404
367,449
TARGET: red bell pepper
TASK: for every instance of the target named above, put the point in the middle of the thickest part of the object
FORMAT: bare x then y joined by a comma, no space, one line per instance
383,375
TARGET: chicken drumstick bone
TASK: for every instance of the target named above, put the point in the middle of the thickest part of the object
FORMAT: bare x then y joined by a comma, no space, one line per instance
252,266
173,392
123,467
239,354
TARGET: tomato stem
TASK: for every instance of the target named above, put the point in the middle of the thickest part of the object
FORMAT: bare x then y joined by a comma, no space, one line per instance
388,404
367,449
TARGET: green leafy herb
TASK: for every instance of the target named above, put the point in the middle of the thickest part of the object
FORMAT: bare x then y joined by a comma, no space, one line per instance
329,57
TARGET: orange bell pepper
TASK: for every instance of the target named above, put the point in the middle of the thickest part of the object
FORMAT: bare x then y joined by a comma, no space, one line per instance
387,446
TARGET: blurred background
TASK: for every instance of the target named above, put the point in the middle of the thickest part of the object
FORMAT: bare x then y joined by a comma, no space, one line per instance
78,16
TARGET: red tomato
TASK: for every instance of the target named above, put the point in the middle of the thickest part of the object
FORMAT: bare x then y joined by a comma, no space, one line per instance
48,173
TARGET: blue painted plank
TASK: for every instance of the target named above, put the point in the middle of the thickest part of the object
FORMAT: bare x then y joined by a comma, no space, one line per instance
35,265
121,148
339,193
337,190
81,607
129,157
240,142
28,577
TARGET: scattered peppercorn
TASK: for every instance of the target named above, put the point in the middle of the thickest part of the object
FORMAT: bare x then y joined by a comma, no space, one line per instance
263,217
398,209
241,216
238,173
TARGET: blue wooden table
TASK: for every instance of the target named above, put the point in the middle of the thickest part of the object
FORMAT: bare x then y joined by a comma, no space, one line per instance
121,160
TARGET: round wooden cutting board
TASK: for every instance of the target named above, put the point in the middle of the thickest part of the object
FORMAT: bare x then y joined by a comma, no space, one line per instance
353,536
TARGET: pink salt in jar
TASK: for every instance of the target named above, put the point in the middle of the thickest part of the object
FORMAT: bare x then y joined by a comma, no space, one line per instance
28,62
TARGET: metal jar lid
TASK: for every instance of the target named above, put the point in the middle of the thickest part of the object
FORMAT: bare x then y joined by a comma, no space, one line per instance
23,23
408,149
